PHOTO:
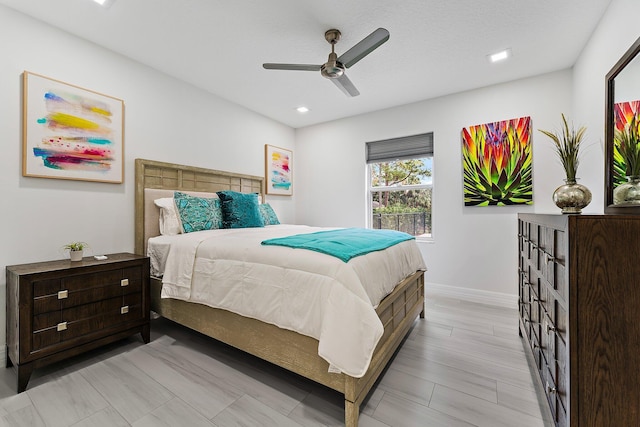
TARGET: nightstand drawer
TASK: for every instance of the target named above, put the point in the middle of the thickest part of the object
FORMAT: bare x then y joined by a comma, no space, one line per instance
50,329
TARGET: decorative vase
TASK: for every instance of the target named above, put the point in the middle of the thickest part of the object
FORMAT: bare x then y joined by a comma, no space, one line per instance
75,255
572,197
628,193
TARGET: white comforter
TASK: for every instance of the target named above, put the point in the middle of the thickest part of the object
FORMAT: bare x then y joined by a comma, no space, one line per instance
305,291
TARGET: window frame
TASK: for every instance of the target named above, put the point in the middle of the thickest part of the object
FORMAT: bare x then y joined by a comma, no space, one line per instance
371,189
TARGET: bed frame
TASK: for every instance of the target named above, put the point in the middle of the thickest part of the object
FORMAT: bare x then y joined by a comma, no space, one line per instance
290,350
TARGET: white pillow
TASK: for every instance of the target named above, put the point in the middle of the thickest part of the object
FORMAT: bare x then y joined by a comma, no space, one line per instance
169,222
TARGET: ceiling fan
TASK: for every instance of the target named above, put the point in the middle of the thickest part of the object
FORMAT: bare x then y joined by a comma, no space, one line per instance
335,66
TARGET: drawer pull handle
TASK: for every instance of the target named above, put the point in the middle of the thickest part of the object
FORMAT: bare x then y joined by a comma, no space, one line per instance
548,258
551,328
124,310
63,294
124,282
62,326
550,389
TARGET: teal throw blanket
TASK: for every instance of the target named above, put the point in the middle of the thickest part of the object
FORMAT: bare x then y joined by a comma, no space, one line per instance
345,243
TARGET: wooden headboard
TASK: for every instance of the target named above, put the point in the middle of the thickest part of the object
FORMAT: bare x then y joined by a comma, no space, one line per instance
151,174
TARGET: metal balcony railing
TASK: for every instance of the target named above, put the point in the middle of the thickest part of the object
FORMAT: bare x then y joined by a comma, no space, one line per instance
414,223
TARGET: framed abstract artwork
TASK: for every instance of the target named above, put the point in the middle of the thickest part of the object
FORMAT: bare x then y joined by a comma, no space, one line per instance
70,132
278,173
625,114
497,163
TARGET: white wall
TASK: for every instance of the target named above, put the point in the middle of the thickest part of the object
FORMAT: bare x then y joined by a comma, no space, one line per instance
165,120
474,247
617,31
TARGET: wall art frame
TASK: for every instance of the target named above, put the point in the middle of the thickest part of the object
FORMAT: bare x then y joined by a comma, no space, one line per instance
497,163
70,132
278,170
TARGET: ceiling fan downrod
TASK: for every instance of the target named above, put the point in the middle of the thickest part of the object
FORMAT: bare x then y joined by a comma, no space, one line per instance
333,68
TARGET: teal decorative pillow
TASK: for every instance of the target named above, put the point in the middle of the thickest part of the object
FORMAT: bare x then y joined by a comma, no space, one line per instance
197,213
240,210
269,217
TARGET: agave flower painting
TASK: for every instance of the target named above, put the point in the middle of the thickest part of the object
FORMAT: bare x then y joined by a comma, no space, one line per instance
626,141
497,163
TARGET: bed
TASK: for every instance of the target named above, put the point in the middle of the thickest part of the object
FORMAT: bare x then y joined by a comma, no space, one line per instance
282,347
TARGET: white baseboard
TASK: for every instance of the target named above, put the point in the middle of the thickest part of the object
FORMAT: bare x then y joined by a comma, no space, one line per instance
474,295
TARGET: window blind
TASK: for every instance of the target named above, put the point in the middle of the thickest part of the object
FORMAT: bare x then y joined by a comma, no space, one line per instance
402,148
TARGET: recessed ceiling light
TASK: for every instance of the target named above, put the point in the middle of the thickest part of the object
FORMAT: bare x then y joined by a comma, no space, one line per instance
500,56
104,3
302,109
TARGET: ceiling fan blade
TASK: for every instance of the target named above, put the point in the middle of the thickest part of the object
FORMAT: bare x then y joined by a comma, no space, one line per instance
345,85
294,67
364,47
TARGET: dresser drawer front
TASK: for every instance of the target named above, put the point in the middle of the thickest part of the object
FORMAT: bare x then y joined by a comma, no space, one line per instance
543,290
554,397
59,294
88,319
74,298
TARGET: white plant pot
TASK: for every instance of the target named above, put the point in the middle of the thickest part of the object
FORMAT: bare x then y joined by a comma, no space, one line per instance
75,255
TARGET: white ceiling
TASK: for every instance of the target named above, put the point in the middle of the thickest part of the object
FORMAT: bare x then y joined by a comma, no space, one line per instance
437,47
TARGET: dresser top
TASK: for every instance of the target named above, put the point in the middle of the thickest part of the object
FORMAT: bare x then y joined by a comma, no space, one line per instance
66,264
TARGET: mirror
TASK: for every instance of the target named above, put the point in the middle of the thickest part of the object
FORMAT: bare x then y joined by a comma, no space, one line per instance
622,104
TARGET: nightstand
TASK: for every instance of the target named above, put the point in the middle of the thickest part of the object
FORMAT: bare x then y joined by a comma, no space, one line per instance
59,309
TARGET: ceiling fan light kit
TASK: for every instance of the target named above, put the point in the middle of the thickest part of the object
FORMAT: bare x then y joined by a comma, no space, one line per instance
334,68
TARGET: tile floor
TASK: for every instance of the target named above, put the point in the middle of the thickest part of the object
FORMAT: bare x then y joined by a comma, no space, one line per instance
464,365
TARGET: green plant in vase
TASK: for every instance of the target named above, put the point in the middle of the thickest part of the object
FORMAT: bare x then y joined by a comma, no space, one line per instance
627,142
571,197
567,146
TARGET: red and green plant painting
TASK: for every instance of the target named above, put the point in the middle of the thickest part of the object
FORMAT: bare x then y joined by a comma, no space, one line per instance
497,163
625,114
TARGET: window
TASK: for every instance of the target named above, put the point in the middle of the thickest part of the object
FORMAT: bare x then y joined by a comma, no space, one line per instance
400,184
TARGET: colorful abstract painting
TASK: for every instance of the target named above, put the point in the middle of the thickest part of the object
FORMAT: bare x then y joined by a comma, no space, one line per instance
497,163
623,113
278,174
71,132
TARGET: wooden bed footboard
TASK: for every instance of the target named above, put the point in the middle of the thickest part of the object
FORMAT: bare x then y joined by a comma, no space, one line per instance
299,353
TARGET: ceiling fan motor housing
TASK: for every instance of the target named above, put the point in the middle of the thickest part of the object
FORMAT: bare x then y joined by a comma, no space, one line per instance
332,69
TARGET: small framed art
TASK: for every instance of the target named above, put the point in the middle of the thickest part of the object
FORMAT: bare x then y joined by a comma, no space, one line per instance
278,173
70,132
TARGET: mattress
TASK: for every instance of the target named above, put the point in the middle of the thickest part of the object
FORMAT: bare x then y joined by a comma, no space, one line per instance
305,291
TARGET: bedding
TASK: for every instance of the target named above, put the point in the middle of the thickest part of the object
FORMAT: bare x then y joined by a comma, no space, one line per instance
168,217
198,213
240,210
309,292
345,243
269,216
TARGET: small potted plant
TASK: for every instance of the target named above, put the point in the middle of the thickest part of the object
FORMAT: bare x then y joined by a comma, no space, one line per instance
75,250
570,197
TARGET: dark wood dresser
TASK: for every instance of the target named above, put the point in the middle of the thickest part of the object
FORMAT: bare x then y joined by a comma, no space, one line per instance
59,309
579,298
